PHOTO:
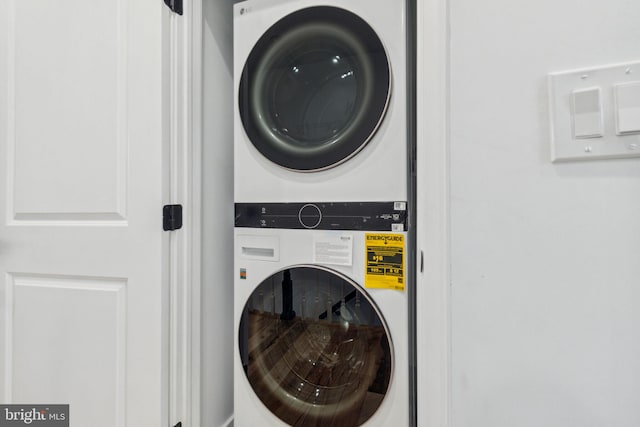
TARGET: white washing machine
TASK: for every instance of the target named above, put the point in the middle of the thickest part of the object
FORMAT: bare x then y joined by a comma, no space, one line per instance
321,317
320,100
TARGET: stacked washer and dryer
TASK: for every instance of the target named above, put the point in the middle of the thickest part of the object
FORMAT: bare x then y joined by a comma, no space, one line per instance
321,226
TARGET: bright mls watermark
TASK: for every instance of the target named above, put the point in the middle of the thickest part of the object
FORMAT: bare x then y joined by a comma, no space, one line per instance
34,415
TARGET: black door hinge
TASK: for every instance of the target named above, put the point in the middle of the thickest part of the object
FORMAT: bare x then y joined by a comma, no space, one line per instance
174,5
171,217
178,425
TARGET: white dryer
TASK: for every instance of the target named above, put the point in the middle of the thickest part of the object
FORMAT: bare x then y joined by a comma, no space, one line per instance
321,318
320,100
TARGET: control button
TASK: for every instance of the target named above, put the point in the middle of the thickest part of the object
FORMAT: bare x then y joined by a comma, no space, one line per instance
587,113
310,216
627,108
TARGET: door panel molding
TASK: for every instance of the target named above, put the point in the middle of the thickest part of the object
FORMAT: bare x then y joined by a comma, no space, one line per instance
72,102
40,312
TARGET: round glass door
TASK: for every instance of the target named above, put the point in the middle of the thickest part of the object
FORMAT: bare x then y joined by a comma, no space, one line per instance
315,349
314,88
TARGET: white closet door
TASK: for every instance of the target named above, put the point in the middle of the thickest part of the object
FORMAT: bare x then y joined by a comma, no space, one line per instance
83,278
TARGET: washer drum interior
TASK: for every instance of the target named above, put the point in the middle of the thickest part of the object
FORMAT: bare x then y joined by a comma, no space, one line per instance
315,349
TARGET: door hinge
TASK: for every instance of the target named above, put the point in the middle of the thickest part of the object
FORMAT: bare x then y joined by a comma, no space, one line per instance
174,5
171,217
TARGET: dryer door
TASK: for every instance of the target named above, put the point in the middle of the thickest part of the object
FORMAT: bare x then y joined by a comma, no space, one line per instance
314,88
315,348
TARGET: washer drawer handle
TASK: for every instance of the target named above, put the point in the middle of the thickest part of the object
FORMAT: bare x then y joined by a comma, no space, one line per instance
258,252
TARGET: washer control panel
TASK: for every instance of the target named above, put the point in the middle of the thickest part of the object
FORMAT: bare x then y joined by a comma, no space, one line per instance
372,216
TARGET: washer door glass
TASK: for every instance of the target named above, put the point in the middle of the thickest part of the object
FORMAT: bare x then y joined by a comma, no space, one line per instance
314,88
315,349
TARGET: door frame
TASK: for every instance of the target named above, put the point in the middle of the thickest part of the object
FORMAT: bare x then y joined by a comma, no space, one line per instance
433,222
183,66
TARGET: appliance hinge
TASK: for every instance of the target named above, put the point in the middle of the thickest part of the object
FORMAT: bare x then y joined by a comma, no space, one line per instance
174,5
171,217
178,425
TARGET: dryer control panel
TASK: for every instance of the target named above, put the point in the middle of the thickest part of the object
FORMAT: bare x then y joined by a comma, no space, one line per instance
370,216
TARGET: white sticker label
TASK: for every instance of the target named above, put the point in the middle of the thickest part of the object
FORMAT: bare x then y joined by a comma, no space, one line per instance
336,249
397,227
399,206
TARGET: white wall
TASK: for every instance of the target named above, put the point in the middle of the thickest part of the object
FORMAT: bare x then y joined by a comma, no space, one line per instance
545,258
217,218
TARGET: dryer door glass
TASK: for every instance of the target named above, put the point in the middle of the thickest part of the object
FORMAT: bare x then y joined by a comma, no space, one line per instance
315,348
314,88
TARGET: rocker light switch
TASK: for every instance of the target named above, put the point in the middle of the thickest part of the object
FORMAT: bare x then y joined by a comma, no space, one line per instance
627,108
587,113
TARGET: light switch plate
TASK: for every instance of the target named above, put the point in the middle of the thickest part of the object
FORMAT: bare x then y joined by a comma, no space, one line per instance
563,86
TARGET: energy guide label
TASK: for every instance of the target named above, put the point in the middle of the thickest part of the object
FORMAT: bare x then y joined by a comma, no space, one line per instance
385,261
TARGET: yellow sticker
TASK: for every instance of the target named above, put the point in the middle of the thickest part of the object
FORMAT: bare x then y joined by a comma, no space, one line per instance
385,261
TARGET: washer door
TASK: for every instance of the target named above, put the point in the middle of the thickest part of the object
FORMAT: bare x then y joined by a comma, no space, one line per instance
315,349
314,88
